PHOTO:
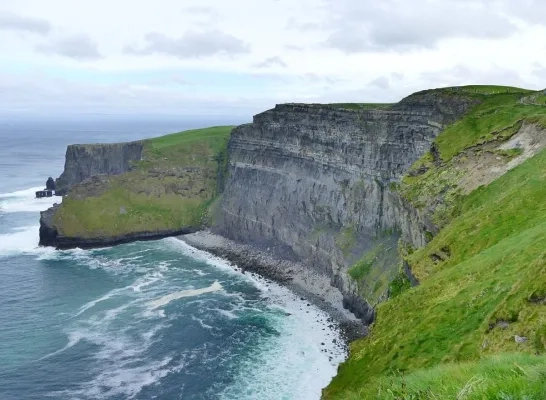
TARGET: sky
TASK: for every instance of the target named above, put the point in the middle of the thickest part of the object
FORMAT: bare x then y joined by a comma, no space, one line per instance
240,57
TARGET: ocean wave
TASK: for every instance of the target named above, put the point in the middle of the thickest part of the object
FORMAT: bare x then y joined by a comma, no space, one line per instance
25,201
21,193
24,240
215,261
297,362
163,301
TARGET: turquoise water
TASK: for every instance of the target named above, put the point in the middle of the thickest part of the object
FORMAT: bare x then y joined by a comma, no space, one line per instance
146,320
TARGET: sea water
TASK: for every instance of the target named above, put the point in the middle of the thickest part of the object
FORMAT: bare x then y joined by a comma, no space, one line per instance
145,320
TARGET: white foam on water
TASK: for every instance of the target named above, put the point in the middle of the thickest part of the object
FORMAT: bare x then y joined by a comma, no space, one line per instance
215,261
73,339
25,201
121,368
21,193
202,323
163,301
297,363
23,240
93,303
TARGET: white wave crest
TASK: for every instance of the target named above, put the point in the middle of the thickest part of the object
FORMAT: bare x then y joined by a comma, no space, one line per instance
23,240
25,201
163,301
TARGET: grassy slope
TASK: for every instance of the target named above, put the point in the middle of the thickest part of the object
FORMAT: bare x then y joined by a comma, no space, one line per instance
489,288
170,189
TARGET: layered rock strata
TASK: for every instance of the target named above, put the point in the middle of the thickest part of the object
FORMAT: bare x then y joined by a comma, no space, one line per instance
314,182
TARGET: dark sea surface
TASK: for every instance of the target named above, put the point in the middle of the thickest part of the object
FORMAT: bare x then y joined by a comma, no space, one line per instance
146,320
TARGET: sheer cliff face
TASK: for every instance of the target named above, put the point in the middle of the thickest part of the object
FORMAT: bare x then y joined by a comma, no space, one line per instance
313,183
87,160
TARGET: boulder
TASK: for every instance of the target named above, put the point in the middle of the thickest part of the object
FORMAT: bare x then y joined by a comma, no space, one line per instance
50,184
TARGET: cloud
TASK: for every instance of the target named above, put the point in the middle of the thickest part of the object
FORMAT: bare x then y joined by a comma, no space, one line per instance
293,47
198,10
382,82
271,62
464,75
530,11
77,47
191,45
298,25
14,22
402,25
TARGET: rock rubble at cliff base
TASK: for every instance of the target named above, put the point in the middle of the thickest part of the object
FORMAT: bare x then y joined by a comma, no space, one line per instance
301,280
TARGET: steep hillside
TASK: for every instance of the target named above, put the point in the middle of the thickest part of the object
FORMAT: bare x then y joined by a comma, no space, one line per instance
482,276
165,190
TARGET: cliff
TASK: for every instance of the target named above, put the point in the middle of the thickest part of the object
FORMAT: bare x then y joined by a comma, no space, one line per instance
315,183
83,161
136,191
428,215
479,309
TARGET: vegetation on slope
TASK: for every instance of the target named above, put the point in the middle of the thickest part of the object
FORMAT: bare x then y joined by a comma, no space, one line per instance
168,190
483,282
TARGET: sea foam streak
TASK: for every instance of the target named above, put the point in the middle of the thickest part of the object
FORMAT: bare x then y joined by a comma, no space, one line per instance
163,301
25,201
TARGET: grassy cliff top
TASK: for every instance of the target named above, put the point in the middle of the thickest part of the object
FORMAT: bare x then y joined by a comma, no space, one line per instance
475,327
169,189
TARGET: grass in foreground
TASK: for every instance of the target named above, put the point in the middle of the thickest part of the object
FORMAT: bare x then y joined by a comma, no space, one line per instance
169,190
502,377
488,287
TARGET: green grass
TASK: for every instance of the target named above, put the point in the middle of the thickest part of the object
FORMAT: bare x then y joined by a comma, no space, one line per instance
502,377
495,271
214,136
346,239
363,267
169,190
488,89
497,118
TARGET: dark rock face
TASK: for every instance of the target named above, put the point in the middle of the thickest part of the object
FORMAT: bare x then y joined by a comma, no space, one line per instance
87,160
48,232
301,175
50,184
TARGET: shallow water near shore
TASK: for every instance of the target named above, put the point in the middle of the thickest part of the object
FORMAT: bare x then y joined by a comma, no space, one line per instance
147,320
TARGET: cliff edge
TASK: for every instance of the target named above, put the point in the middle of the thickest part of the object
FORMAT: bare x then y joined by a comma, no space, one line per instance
83,161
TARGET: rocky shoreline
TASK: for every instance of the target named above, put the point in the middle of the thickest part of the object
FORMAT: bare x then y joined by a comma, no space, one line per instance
295,276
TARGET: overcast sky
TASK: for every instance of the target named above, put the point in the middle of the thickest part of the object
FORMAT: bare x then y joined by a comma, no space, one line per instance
239,57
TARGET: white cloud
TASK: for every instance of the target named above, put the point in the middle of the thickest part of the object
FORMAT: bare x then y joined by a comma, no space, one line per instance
14,22
77,47
191,45
257,53
275,61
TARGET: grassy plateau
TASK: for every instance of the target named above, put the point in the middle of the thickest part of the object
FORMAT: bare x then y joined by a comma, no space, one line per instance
170,189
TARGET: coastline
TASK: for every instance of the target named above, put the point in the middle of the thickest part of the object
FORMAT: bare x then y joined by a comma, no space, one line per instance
296,277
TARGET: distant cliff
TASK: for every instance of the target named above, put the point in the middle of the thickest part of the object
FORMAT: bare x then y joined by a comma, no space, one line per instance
83,161
149,189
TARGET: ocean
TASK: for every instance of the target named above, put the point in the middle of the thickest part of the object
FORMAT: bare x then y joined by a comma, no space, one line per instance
145,320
